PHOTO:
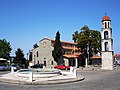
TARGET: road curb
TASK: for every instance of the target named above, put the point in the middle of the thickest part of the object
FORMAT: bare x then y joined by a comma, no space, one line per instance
48,82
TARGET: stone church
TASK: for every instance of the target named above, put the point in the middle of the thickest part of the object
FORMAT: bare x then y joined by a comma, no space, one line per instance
43,53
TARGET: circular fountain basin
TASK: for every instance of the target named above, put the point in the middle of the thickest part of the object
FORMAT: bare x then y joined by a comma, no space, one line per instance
48,72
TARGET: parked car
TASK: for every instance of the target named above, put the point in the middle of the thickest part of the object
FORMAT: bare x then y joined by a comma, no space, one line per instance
15,67
3,67
37,66
62,67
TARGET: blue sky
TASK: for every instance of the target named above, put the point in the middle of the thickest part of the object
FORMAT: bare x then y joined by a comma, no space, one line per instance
25,22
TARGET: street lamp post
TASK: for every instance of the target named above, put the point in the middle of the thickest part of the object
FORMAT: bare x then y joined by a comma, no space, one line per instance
87,59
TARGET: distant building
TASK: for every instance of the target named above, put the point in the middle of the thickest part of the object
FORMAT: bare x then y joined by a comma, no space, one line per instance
96,60
117,58
43,53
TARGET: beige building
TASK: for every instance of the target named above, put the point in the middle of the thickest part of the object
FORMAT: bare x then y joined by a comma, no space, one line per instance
43,53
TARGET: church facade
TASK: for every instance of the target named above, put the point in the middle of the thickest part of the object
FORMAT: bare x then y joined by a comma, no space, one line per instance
43,53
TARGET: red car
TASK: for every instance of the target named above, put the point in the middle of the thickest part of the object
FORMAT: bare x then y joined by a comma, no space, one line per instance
62,67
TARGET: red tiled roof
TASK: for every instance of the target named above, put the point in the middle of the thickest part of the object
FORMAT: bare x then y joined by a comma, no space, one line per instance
106,18
96,56
69,42
75,55
70,56
117,56
70,48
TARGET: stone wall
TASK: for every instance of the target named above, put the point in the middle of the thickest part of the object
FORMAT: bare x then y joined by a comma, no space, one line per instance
107,60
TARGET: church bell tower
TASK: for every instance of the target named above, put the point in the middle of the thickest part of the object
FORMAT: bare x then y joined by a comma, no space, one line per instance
107,44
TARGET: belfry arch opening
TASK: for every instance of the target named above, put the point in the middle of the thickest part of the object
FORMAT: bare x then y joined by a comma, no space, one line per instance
106,46
106,35
108,24
105,25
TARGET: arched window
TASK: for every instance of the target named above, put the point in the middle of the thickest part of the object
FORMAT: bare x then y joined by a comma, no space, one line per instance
106,46
108,24
37,54
51,62
105,25
106,35
44,63
37,62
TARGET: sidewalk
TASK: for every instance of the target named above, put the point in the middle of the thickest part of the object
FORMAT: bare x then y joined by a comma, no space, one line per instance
95,68
90,68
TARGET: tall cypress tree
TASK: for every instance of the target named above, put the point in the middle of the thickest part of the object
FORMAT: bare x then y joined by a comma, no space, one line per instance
20,59
57,53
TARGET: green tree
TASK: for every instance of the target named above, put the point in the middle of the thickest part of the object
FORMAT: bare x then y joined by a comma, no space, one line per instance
85,28
19,58
75,36
57,53
89,41
5,49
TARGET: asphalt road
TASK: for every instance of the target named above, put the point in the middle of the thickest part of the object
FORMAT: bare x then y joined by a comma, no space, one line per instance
94,80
